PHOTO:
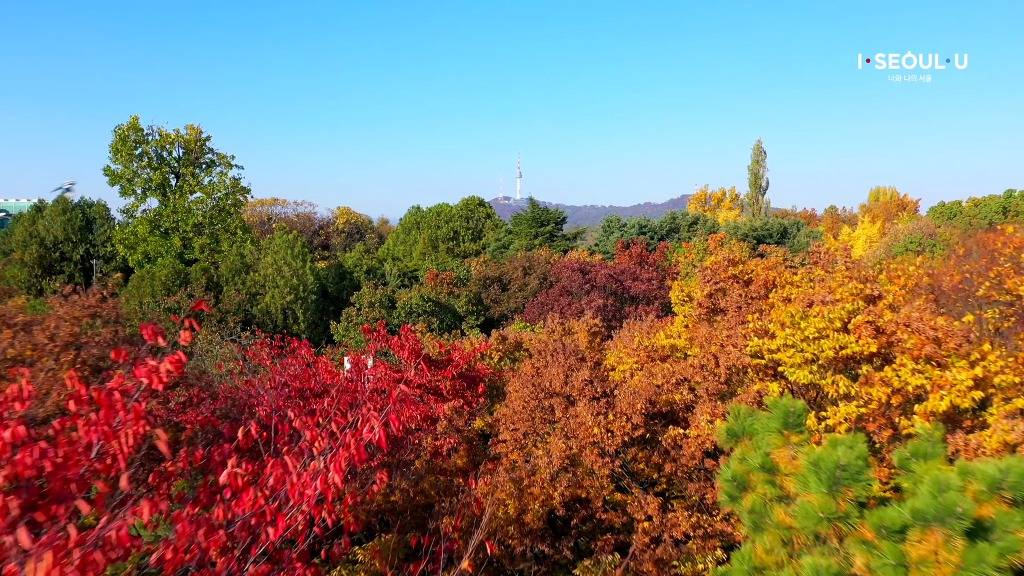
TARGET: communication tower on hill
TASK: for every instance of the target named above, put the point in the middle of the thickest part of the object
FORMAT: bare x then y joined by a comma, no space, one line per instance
519,178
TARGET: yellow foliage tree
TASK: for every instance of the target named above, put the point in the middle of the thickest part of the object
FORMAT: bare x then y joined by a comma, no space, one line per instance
917,341
889,205
723,204
349,227
886,206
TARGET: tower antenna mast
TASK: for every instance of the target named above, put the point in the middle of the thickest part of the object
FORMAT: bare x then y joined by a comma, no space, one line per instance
519,177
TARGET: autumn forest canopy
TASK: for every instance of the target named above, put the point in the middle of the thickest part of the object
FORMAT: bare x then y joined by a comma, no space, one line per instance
215,383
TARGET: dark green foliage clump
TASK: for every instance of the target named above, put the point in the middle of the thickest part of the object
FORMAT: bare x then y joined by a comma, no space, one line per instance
918,237
276,286
815,509
790,233
285,287
54,244
535,227
437,237
156,290
674,227
372,304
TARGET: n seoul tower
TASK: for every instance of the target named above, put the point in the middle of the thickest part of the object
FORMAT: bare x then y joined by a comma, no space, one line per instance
519,178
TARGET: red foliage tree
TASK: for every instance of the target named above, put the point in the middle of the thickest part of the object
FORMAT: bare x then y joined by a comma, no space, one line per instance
271,473
68,503
634,284
287,456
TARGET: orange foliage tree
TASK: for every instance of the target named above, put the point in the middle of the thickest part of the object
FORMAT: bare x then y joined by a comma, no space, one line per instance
587,470
547,492
604,456
70,331
834,218
980,284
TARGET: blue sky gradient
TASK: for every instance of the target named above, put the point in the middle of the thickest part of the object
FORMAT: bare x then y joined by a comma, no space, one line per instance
382,105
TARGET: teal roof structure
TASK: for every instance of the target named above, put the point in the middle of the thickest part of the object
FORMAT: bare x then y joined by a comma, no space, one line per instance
11,206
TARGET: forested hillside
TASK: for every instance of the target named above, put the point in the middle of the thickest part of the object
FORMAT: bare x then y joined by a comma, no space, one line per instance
580,216
215,383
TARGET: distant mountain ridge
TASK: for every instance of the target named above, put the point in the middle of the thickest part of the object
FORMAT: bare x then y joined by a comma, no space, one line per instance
591,214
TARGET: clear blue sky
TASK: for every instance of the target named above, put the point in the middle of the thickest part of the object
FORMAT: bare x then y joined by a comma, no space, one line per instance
382,105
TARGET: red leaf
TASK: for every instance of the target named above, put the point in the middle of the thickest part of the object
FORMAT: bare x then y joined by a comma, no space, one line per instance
161,443
119,355
147,510
153,333
201,306
83,506
24,538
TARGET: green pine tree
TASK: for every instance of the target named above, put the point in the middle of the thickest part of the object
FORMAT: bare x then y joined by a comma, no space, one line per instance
537,226
814,509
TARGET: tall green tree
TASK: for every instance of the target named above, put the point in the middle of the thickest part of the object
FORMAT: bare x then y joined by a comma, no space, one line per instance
439,237
537,226
57,243
284,284
183,197
755,201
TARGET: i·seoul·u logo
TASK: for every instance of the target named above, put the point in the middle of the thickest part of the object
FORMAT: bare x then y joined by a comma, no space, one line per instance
910,60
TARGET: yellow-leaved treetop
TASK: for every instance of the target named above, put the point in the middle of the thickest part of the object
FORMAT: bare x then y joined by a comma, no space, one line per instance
723,204
350,227
884,349
886,207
